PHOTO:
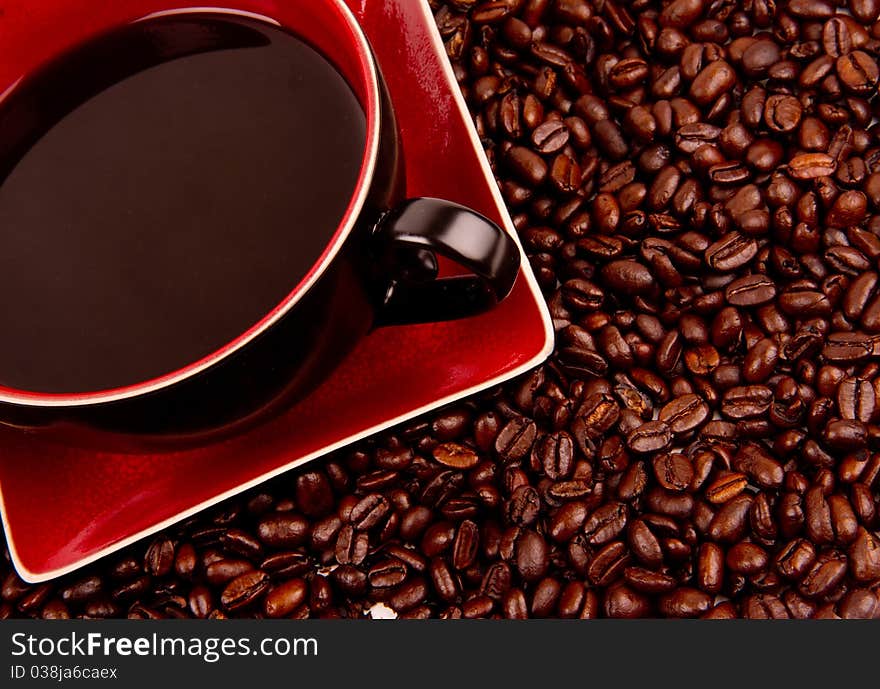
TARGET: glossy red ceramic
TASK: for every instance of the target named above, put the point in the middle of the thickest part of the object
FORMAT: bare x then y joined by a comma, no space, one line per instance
63,507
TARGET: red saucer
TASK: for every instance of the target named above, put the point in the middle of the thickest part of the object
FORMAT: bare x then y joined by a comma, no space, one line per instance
63,508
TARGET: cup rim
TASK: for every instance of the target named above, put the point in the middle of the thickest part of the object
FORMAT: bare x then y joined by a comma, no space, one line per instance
368,73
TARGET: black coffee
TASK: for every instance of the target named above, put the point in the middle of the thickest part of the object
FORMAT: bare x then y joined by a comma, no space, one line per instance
164,187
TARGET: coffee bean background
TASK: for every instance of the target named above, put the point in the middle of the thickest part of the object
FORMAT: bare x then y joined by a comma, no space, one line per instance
697,185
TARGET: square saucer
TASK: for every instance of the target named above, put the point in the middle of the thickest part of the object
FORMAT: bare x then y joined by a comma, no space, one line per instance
65,507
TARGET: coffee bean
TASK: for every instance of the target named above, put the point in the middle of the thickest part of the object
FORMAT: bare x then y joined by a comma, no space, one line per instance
648,581
644,544
716,78
685,413
605,523
528,167
825,574
726,487
836,37
408,595
746,558
244,590
550,137
351,546
744,402
596,415
864,556
782,113
284,598
532,558
629,277
624,602
515,439
286,564
684,602
856,399
673,471
81,590
756,463
847,347
369,512
314,496
752,290
857,72
555,455
456,456
608,564
523,507
225,570
282,530
710,568
729,523
731,252
652,436
159,557
811,166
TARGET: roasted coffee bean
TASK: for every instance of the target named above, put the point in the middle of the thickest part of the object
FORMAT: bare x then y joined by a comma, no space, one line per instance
351,546
652,436
608,564
782,113
710,568
622,601
857,72
314,495
81,590
532,557
746,558
515,439
644,543
408,595
523,507
716,78
731,252
684,602
826,573
864,556
673,471
160,557
550,137
726,487
730,521
244,590
628,277
369,512
285,598
755,462
605,523
527,166
456,456
684,413
745,402
555,455
811,166
225,570
283,530
856,399
752,290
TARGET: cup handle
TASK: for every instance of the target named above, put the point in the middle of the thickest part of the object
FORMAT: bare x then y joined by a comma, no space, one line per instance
409,236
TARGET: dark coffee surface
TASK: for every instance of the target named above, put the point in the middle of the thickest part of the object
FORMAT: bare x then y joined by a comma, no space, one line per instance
188,173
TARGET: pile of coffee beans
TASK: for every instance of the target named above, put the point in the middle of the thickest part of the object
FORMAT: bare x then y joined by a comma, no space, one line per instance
697,185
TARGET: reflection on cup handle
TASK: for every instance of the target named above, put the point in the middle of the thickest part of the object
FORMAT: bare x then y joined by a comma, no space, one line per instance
407,239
